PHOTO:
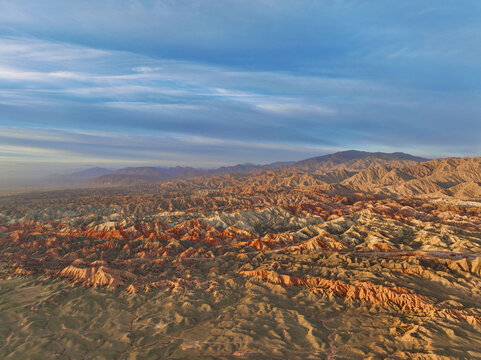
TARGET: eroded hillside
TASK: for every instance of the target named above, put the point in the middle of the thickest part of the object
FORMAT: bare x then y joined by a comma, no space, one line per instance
276,264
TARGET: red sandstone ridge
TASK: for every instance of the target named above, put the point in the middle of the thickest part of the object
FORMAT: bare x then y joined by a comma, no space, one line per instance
97,276
364,291
400,297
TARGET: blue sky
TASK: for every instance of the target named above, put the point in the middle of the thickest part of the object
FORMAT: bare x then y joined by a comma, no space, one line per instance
209,83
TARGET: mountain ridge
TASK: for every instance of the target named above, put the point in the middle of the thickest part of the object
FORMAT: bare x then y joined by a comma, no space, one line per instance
344,160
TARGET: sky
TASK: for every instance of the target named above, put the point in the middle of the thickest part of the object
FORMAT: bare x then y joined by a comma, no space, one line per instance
217,82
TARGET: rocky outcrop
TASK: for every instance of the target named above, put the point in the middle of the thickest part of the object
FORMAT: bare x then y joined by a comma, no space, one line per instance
97,276
456,177
399,297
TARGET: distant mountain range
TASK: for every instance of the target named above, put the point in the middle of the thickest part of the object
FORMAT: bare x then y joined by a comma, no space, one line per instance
355,160
98,176
335,167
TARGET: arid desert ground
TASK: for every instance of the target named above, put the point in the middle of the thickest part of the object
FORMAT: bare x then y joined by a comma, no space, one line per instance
323,259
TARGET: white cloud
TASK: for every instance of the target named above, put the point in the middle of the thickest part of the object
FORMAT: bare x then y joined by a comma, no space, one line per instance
147,69
14,48
232,93
124,90
152,107
298,109
21,75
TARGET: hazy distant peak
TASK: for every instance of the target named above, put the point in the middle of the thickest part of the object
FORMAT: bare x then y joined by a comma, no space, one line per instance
357,154
91,172
356,160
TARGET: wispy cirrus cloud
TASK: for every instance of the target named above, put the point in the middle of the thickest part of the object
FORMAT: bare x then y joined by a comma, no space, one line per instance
35,50
297,109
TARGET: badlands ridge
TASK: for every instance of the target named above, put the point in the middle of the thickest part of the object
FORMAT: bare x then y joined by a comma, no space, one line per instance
353,255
